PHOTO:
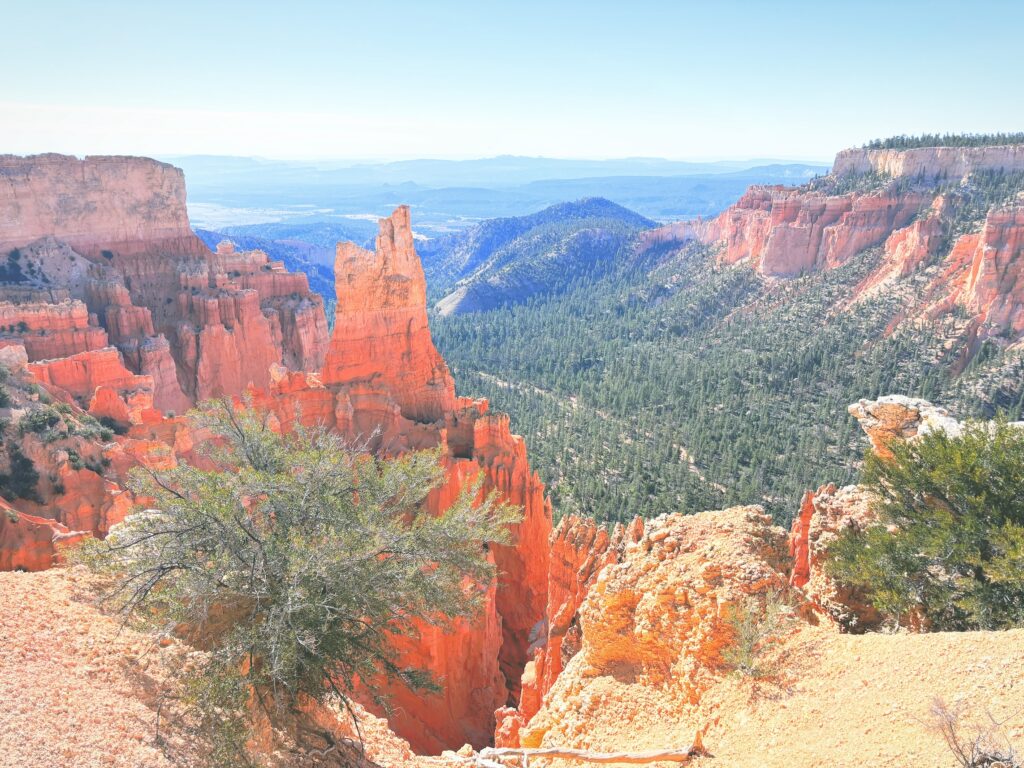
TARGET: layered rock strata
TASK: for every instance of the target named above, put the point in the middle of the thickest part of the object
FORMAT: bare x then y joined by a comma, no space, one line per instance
114,233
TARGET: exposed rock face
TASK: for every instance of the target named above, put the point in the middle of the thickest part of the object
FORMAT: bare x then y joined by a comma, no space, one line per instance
126,205
823,516
580,549
994,290
30,543
784,232
953,162
913,210
380,327
897,417
385,384
652,631
113,232
50,330
830,511
188,324
101,384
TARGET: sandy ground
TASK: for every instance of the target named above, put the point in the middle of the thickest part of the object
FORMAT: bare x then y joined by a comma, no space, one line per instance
69,681
838,701
865,700
79,691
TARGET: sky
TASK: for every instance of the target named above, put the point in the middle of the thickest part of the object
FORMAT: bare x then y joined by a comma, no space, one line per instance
726,79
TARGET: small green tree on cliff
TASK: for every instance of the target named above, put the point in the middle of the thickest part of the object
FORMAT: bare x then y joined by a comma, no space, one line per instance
951,545
295,562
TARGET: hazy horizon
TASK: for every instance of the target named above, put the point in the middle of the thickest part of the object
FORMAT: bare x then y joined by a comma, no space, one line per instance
460,80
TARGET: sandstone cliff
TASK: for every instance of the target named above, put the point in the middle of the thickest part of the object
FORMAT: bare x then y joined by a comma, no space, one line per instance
113,232
943,227
651,631
953,162
231,316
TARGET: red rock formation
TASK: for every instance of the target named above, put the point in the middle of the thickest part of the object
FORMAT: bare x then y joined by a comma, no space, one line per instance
50,330
823,516
994,290
227,316
579,550
233,319
652,634
897,417
151,356
380,326
30,543
384,383
101,383
784,232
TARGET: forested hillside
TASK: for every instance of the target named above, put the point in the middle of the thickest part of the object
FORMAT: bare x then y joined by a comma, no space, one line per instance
506,261
678,382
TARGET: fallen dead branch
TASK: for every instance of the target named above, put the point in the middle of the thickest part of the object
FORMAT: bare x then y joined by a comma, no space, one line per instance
488,755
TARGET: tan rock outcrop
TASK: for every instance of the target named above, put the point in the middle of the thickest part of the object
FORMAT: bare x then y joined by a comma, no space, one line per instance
652,632
897,417
580,550
929,162
124,205
823,516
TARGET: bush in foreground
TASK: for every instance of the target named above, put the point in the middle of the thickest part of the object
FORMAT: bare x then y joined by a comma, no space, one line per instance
293,564
950,550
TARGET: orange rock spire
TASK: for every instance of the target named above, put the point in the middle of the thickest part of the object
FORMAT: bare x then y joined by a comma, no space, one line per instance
381,335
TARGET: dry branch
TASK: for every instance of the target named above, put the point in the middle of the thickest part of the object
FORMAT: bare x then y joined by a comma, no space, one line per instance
582,755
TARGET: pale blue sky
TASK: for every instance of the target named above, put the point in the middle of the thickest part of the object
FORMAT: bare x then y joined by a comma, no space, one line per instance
394,79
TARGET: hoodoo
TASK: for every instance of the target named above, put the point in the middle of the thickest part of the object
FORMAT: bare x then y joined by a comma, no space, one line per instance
384,382
121,315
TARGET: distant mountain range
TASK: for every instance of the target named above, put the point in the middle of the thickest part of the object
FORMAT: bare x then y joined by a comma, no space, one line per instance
450,195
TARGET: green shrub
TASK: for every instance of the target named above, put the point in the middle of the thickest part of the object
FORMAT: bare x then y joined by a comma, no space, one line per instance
297,565
39,421
951,546
757,623
21,481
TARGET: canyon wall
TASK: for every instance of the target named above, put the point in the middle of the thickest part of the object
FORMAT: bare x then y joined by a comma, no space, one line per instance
111,236
383,385
784,232
127,205
951,162
924,213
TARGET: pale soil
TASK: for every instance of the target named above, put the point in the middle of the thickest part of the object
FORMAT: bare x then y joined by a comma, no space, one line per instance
70,693
78,691
865,700
840,701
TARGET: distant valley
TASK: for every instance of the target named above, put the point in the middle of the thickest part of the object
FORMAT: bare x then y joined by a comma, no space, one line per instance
448,196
